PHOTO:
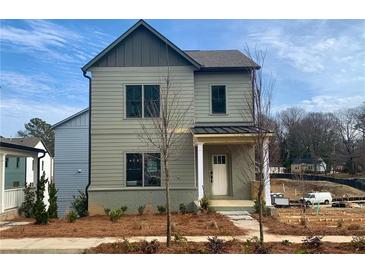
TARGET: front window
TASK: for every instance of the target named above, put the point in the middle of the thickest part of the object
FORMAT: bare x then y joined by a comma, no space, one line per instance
152,169
143,169
134,169
6,162
218,100
17,162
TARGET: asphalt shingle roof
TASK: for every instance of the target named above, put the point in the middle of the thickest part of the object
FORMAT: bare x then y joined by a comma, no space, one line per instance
27,142
221,59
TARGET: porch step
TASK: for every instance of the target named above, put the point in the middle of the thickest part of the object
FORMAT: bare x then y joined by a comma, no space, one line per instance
232,205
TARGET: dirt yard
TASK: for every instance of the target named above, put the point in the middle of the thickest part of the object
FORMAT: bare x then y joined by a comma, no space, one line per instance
230,247
294,189
329,221
129,225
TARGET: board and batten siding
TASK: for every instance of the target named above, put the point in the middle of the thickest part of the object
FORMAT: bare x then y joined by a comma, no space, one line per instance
239,105
71,160
113,135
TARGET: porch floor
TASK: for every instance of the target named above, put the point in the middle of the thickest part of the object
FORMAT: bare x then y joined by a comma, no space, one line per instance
229,205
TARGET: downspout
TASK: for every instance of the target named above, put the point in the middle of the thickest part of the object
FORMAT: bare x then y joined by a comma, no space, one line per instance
89,154
38,170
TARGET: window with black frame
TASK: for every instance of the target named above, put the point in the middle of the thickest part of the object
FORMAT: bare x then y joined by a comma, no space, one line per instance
143,169
134,101
218,99
152,169
134,169
151,101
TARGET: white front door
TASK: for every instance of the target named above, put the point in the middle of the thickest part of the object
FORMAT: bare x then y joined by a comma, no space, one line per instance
220,184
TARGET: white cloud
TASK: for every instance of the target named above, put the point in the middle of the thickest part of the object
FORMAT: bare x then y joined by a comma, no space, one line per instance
324,103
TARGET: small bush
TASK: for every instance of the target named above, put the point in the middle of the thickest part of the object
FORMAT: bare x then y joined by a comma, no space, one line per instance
354,227
130,247
266,212
179,239
161,209
215,245
141,210
71,216
358,242
312,242
182,208
286,242
115,215
29,199
52,209
123,209
204,203
39,210
253,245
79,204
150,247
339,223
106,211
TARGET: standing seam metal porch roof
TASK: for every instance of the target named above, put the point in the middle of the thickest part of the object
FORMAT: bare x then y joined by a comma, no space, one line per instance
226,130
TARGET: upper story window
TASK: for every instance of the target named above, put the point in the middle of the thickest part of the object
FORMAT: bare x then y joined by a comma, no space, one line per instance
218,99
142,101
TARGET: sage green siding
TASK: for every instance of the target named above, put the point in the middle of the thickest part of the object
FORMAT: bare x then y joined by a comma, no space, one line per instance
240,169
113,135
238,96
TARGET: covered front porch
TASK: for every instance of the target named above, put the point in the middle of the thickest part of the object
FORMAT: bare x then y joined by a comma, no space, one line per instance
13,175
225,166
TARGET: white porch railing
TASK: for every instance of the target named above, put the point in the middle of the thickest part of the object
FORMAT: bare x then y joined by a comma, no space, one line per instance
13,198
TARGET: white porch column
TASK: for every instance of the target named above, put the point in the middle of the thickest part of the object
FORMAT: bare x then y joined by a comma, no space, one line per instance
2,181
200,171
266,173
35,171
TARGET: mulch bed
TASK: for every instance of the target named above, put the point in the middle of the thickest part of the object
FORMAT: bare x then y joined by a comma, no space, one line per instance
275,226
129,225
230,247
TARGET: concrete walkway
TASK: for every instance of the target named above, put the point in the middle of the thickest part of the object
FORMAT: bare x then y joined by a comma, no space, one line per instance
78,245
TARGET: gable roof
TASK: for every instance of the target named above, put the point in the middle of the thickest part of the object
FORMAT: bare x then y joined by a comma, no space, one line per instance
26,143
307,160
70,118
127,33
222,59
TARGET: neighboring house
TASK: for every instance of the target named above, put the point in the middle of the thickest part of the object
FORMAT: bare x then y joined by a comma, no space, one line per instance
20,159
277,169
71,158
216,159
308,165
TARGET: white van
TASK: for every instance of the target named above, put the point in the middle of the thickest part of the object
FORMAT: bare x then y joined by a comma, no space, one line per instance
312,198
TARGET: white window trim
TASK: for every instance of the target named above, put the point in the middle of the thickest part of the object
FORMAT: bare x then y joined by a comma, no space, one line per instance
125,100
125,170
211,97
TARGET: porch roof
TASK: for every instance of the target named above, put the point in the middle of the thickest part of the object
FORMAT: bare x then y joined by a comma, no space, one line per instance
197,130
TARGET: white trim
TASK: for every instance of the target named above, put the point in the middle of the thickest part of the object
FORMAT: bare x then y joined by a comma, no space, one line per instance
141,188
266,173
231,135
200,171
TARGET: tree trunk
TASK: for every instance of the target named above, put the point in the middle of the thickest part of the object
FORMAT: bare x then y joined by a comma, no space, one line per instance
168,213
260,211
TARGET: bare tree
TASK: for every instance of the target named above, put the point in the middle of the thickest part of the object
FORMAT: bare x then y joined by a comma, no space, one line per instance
165,131
262,88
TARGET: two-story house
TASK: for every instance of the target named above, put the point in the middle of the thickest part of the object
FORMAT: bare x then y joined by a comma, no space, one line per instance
217,155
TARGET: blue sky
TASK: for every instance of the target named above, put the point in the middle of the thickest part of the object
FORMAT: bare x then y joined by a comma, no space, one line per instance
317,64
